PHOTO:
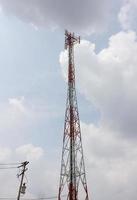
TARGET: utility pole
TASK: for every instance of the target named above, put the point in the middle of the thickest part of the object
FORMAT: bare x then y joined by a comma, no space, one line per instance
22,186
72,176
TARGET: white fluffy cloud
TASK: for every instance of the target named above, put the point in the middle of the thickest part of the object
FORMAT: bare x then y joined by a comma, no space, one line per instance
5,153
108,79
17,103
111,164
30,152
84,16
128,14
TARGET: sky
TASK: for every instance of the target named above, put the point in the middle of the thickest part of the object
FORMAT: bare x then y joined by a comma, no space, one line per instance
33,90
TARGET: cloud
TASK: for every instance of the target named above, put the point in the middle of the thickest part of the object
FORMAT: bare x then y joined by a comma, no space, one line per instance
30,152
15,116
83,16
108,80
111,164
12,117
128,14
4,154
22,118
17,103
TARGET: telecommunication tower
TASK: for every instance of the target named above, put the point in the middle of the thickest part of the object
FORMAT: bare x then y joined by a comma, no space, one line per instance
72,177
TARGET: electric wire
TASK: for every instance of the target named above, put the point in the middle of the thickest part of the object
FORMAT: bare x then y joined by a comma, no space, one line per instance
8,167
10,163
42,198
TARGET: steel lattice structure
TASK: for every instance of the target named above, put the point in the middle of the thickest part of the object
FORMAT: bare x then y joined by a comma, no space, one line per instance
72,177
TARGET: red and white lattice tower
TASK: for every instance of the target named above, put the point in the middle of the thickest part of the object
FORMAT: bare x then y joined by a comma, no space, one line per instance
72,177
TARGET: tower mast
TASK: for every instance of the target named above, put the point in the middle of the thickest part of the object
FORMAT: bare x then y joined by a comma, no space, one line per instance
72,177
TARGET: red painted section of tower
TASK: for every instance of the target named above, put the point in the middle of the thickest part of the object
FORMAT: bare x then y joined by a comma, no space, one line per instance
72,177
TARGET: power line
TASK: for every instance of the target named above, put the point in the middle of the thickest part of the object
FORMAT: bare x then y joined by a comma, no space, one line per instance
8,167
42,198
10,163
7,198
54,197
